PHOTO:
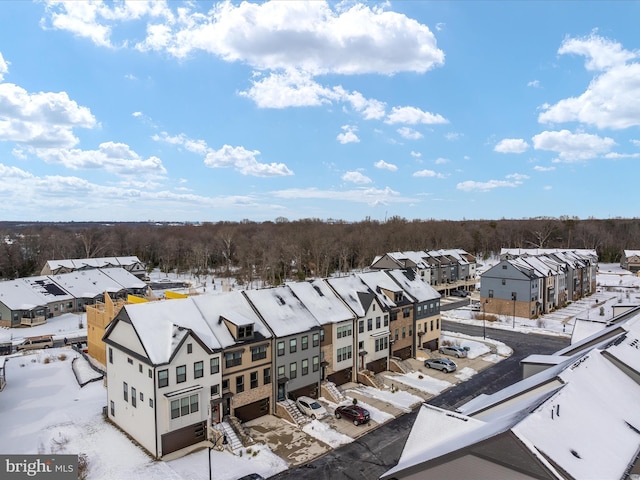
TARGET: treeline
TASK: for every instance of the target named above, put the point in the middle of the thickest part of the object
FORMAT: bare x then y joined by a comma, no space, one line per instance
268,253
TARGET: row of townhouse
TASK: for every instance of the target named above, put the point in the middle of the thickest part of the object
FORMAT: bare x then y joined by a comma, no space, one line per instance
630,260
30,301
445,270
131,264
177,367
528,283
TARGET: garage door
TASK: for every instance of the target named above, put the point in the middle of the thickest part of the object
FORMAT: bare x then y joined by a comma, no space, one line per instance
341,377
183,437
308,391
403,353
377,366
252,410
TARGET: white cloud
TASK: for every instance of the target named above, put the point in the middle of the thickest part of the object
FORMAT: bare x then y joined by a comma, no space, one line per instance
601,53
547,187
573,147
196,146
4,67
428,174
413,116
348,135
534,84
371,196
441,161
244,161
615,156
511,145
117,158
291,88
416,154
136,114
356,177
440,26
381,164
518,177
301,35
452,136
471,186
635,142
612,99
43,119
409,133
540,168
371,109
130,76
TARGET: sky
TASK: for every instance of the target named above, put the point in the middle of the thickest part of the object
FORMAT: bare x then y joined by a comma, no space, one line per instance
228,111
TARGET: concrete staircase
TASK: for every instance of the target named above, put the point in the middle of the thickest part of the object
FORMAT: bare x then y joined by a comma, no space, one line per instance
233,442
294,412
333,391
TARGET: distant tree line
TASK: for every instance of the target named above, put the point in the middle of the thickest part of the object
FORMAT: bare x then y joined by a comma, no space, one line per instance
268,253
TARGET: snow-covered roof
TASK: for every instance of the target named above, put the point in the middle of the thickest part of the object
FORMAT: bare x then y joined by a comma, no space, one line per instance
414,286
377,280
282,311
353,291
321,301
631,253
161,326
46,287
79,263
18,295
232,306
579,417
124,277
87,283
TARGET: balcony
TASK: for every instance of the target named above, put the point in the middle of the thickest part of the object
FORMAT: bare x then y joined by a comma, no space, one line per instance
33,321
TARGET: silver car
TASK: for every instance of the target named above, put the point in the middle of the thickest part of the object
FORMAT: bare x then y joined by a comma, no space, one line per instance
442,364
453,350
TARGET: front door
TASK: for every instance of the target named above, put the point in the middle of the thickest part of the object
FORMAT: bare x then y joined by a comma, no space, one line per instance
281,391
227,406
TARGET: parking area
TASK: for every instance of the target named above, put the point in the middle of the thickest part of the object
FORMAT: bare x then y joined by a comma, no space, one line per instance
299,445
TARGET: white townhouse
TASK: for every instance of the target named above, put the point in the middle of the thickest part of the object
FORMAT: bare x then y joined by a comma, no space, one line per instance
372,332
338,347
162,362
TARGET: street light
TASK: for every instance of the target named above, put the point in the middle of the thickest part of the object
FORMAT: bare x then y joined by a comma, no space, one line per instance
513,297
213,445
484,318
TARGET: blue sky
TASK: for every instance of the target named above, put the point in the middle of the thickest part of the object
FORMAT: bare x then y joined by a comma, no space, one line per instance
202,111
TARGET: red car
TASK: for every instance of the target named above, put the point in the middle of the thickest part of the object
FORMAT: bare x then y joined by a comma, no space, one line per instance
356,414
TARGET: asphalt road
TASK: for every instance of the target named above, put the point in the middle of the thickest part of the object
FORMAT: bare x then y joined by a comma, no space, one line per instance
373,454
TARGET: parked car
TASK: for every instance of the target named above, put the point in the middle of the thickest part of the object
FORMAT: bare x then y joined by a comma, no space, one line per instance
454,351
33,343
443,364
459,293
252,476
311,407
475,306
356,414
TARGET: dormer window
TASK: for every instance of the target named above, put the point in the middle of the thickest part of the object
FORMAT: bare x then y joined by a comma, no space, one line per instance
397,297
245,331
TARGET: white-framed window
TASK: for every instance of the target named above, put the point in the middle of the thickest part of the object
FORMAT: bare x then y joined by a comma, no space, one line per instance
345,353
184,406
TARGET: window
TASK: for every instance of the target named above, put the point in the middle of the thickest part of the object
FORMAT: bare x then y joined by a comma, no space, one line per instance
361,345
438,323
404,332
431,325
246,331
281,371
395,334
110,355
386,320
322,335
305,366
406,311
258,353
254,379
112,406
293,370
378,322
504,281
304,342
129,361
410,330
163,378
344,353
316,339
382,344
504,267
189,348
232,359
175,409
266,376
316,363
394,315
215,390
225,384
150,374
280,349
293,345
140,367
184,406
490,293
125,389
151,402
134,399
198,369
181,374
361,326
240,383
369,324
214,365
344,331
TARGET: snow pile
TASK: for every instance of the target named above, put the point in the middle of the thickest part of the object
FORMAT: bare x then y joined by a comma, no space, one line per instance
326,434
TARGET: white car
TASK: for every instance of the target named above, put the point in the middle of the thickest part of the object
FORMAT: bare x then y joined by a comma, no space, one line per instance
311,407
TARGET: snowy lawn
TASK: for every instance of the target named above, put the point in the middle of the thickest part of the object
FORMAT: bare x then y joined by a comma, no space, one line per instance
426,384
43,410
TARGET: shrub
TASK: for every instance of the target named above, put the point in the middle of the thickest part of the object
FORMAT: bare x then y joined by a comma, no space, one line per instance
62,357
47,360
